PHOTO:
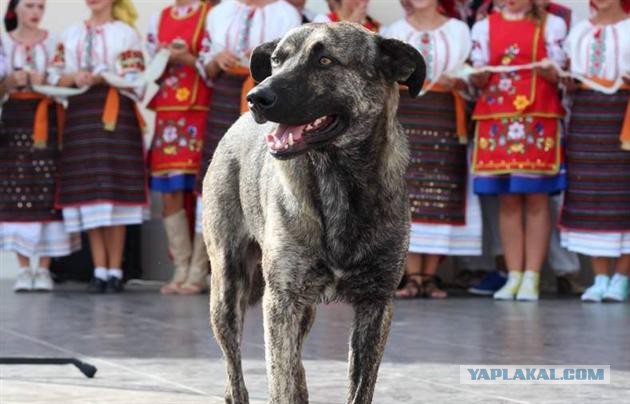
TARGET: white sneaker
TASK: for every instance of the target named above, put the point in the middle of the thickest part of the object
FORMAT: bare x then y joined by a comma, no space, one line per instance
530,287
618,289
42,281
508,291
24,281
595,293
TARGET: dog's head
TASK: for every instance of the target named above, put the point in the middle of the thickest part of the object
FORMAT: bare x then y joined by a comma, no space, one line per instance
328,83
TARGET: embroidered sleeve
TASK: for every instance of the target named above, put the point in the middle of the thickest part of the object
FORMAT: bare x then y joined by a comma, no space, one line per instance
152,37
555,34
480,54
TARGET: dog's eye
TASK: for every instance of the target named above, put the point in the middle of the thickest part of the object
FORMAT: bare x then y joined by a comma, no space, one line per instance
275,61
324,61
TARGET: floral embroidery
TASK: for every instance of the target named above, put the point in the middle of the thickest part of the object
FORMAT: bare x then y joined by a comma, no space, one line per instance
59,60
516,135
510,53
182,94
598,53
177,135
426,49
131,61
521,102
497,93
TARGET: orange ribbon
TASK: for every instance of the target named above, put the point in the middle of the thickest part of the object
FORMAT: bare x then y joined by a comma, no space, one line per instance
112,108
247,85
624,136
40,123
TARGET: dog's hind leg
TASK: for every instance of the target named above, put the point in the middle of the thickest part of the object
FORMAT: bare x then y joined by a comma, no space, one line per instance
367,343
286,325
229,299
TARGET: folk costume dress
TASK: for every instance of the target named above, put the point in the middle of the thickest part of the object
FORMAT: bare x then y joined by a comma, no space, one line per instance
596,214
30,132
182,102
236,26
102,178
369,23
518,145
445,214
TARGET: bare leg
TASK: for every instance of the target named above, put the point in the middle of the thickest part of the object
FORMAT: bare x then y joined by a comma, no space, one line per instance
413,272
172,202
115,242
623,265
512,232
601,265
537,231
98,247
24,261
367,343
44,262
432,262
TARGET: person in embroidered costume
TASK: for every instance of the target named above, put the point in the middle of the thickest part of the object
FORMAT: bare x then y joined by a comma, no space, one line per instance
102,185
518,152
445,217
595,218
30,225
181,106
235,28
349,10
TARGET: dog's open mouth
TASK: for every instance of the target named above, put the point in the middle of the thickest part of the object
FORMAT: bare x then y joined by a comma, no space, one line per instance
292,139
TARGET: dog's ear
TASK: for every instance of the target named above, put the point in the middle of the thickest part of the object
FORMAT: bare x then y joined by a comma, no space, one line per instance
402,63
260,62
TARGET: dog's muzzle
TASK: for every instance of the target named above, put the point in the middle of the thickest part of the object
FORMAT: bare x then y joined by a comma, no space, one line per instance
261,99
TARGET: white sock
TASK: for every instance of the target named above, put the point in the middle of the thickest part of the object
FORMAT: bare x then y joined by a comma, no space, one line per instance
42,270
100,273
25,269
115,273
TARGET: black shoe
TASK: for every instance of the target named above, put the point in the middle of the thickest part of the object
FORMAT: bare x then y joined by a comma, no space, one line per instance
115,285
97,285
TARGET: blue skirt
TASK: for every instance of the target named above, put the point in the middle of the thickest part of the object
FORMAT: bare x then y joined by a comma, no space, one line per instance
172,183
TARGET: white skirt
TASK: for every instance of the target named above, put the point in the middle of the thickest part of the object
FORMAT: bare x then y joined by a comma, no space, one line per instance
48,239
89,217
446,239
596,244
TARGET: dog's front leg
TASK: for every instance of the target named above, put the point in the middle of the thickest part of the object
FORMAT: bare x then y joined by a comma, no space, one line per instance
286,324
367,343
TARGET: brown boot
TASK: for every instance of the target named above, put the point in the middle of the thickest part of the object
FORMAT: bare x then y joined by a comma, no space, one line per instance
196,281
178,235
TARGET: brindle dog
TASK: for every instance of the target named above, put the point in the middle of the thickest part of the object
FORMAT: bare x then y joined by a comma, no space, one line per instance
310,185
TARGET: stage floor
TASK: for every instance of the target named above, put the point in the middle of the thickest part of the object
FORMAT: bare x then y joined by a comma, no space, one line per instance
158,349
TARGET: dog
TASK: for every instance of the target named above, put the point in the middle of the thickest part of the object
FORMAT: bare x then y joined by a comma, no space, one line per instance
305,202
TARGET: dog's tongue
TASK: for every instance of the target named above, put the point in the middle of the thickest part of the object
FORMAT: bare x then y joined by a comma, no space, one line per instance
285,136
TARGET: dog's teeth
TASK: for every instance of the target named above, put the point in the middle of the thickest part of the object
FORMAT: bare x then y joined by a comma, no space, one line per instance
291,142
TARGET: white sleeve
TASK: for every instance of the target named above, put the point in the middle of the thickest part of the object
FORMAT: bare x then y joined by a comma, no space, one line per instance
321,18
3,61
555,34
480,54
464,45
152,36
214,43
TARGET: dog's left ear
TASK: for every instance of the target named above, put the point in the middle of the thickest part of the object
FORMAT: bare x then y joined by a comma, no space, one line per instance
402,63
260,61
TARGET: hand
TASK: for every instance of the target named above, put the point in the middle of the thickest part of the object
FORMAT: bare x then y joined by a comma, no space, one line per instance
549,73
226,59
37,79
180,52
84,79
18,79
480,80
451,83
569,83
360,12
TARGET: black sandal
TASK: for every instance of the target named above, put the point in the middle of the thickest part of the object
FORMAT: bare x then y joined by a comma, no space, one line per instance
431,288
412,289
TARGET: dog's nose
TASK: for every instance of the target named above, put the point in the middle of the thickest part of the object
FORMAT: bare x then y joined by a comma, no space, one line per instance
263,98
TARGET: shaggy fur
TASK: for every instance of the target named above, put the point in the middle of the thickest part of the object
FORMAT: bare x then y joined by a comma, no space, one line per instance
325,221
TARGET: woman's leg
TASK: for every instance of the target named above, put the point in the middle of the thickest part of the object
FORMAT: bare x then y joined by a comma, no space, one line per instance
24,261
115,242
623,265
601,265
512,231
98,247
619,286
172,202
413,274
430,288
44,262
24,280
179,239
537,231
